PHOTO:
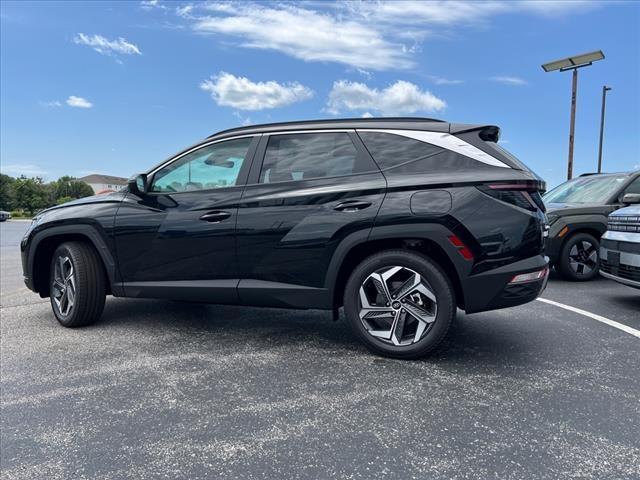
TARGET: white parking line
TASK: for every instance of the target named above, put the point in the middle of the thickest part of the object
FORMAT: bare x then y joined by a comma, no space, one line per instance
599,318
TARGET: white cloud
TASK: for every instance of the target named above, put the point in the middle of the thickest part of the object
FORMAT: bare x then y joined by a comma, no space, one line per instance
460,13
397,99
151,4
112,48
244,121
184,11
305,34
239,92
78,102
380,35
444,81
51,104
514,81
367,115
26,169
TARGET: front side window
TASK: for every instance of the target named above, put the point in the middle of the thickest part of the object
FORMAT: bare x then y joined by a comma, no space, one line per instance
209,167
634,187
308,155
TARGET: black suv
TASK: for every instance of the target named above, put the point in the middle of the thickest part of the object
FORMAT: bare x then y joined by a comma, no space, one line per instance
399,220
577,212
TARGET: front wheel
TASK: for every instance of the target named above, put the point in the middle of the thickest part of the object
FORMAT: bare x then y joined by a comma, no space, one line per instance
399,304
78,284
579,258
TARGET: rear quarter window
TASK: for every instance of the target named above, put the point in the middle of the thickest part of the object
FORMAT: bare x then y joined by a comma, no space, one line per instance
407,155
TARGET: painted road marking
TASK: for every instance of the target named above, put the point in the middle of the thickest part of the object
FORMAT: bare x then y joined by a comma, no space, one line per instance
599,318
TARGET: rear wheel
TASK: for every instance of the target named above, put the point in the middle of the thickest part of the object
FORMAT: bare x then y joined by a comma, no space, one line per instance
579,257
78,284
399,304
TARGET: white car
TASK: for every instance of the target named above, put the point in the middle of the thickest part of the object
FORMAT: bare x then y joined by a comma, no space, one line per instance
620,245
4,215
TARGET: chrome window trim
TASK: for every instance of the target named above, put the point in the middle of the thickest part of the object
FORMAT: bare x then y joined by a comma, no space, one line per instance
443,140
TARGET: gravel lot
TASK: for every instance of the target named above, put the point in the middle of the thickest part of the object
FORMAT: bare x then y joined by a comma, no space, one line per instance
167,390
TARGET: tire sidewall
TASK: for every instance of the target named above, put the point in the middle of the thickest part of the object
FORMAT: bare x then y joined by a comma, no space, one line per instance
566,270
431,273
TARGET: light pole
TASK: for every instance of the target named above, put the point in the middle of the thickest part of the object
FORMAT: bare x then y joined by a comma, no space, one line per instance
605,89
573,63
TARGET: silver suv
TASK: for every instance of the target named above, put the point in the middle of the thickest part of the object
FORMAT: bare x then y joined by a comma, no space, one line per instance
620,246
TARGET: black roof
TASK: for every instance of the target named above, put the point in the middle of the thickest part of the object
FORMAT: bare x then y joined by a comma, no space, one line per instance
382,122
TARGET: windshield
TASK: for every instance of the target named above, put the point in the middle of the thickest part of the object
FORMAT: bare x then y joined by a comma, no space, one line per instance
595,189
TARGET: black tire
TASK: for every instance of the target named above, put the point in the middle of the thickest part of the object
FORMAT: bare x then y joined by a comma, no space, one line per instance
566,265
440,285
90,284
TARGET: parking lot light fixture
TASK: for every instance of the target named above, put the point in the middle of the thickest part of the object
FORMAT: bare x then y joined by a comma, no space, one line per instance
605,89
573,63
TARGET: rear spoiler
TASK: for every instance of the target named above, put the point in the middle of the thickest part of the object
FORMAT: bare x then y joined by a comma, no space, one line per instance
488,133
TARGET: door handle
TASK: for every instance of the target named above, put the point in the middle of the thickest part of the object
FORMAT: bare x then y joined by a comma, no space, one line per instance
215,217
352,206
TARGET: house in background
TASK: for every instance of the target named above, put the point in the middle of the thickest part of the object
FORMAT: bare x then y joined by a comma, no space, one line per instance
104,183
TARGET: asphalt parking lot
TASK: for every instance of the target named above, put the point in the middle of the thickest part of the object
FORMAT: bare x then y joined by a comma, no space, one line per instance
166,390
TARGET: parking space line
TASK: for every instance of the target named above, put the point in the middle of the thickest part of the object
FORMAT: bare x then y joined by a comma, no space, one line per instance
599,318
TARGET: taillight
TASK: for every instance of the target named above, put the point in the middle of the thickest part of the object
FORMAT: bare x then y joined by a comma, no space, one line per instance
524,195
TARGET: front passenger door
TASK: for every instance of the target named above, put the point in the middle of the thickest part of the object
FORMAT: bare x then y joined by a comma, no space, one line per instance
178,240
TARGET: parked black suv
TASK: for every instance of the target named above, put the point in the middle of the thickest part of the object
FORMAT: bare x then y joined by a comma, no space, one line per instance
399,220
577,212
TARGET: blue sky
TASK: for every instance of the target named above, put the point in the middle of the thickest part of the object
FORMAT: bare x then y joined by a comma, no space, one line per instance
115,87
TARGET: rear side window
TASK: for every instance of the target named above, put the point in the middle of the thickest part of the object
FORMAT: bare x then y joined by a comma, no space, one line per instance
408,155
309,155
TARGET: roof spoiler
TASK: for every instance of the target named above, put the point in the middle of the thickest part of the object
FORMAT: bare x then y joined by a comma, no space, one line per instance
488,133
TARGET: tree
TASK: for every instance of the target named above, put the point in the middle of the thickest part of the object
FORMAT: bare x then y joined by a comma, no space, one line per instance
31,194
67,186
7,194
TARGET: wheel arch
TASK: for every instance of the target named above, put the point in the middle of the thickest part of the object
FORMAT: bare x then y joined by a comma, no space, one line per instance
594,229
358,251
45,243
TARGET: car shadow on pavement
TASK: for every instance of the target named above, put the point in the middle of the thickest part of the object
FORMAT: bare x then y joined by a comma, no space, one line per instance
495,342
632,300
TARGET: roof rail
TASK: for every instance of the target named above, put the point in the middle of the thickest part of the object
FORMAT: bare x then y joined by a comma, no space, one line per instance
329,121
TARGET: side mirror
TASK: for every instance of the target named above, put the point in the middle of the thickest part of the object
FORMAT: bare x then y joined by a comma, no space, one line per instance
631,198
138,184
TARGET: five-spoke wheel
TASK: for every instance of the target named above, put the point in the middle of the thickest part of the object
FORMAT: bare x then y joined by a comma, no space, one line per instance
77,284
399,303
63,290
579,257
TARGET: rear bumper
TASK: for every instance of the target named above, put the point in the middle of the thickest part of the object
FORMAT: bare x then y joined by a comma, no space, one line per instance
491,290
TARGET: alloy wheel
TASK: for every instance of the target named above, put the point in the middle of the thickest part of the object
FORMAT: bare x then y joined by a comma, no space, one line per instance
397,305
64,285
583,258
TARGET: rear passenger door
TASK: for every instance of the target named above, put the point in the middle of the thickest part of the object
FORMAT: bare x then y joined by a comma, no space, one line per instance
306,192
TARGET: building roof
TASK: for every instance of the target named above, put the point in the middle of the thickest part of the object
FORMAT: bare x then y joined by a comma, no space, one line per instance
106,179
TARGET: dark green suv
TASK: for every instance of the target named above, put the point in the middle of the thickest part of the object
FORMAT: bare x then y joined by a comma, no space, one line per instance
577,213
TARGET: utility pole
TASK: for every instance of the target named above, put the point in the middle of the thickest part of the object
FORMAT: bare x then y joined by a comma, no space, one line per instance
573,63
605,89
572,125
